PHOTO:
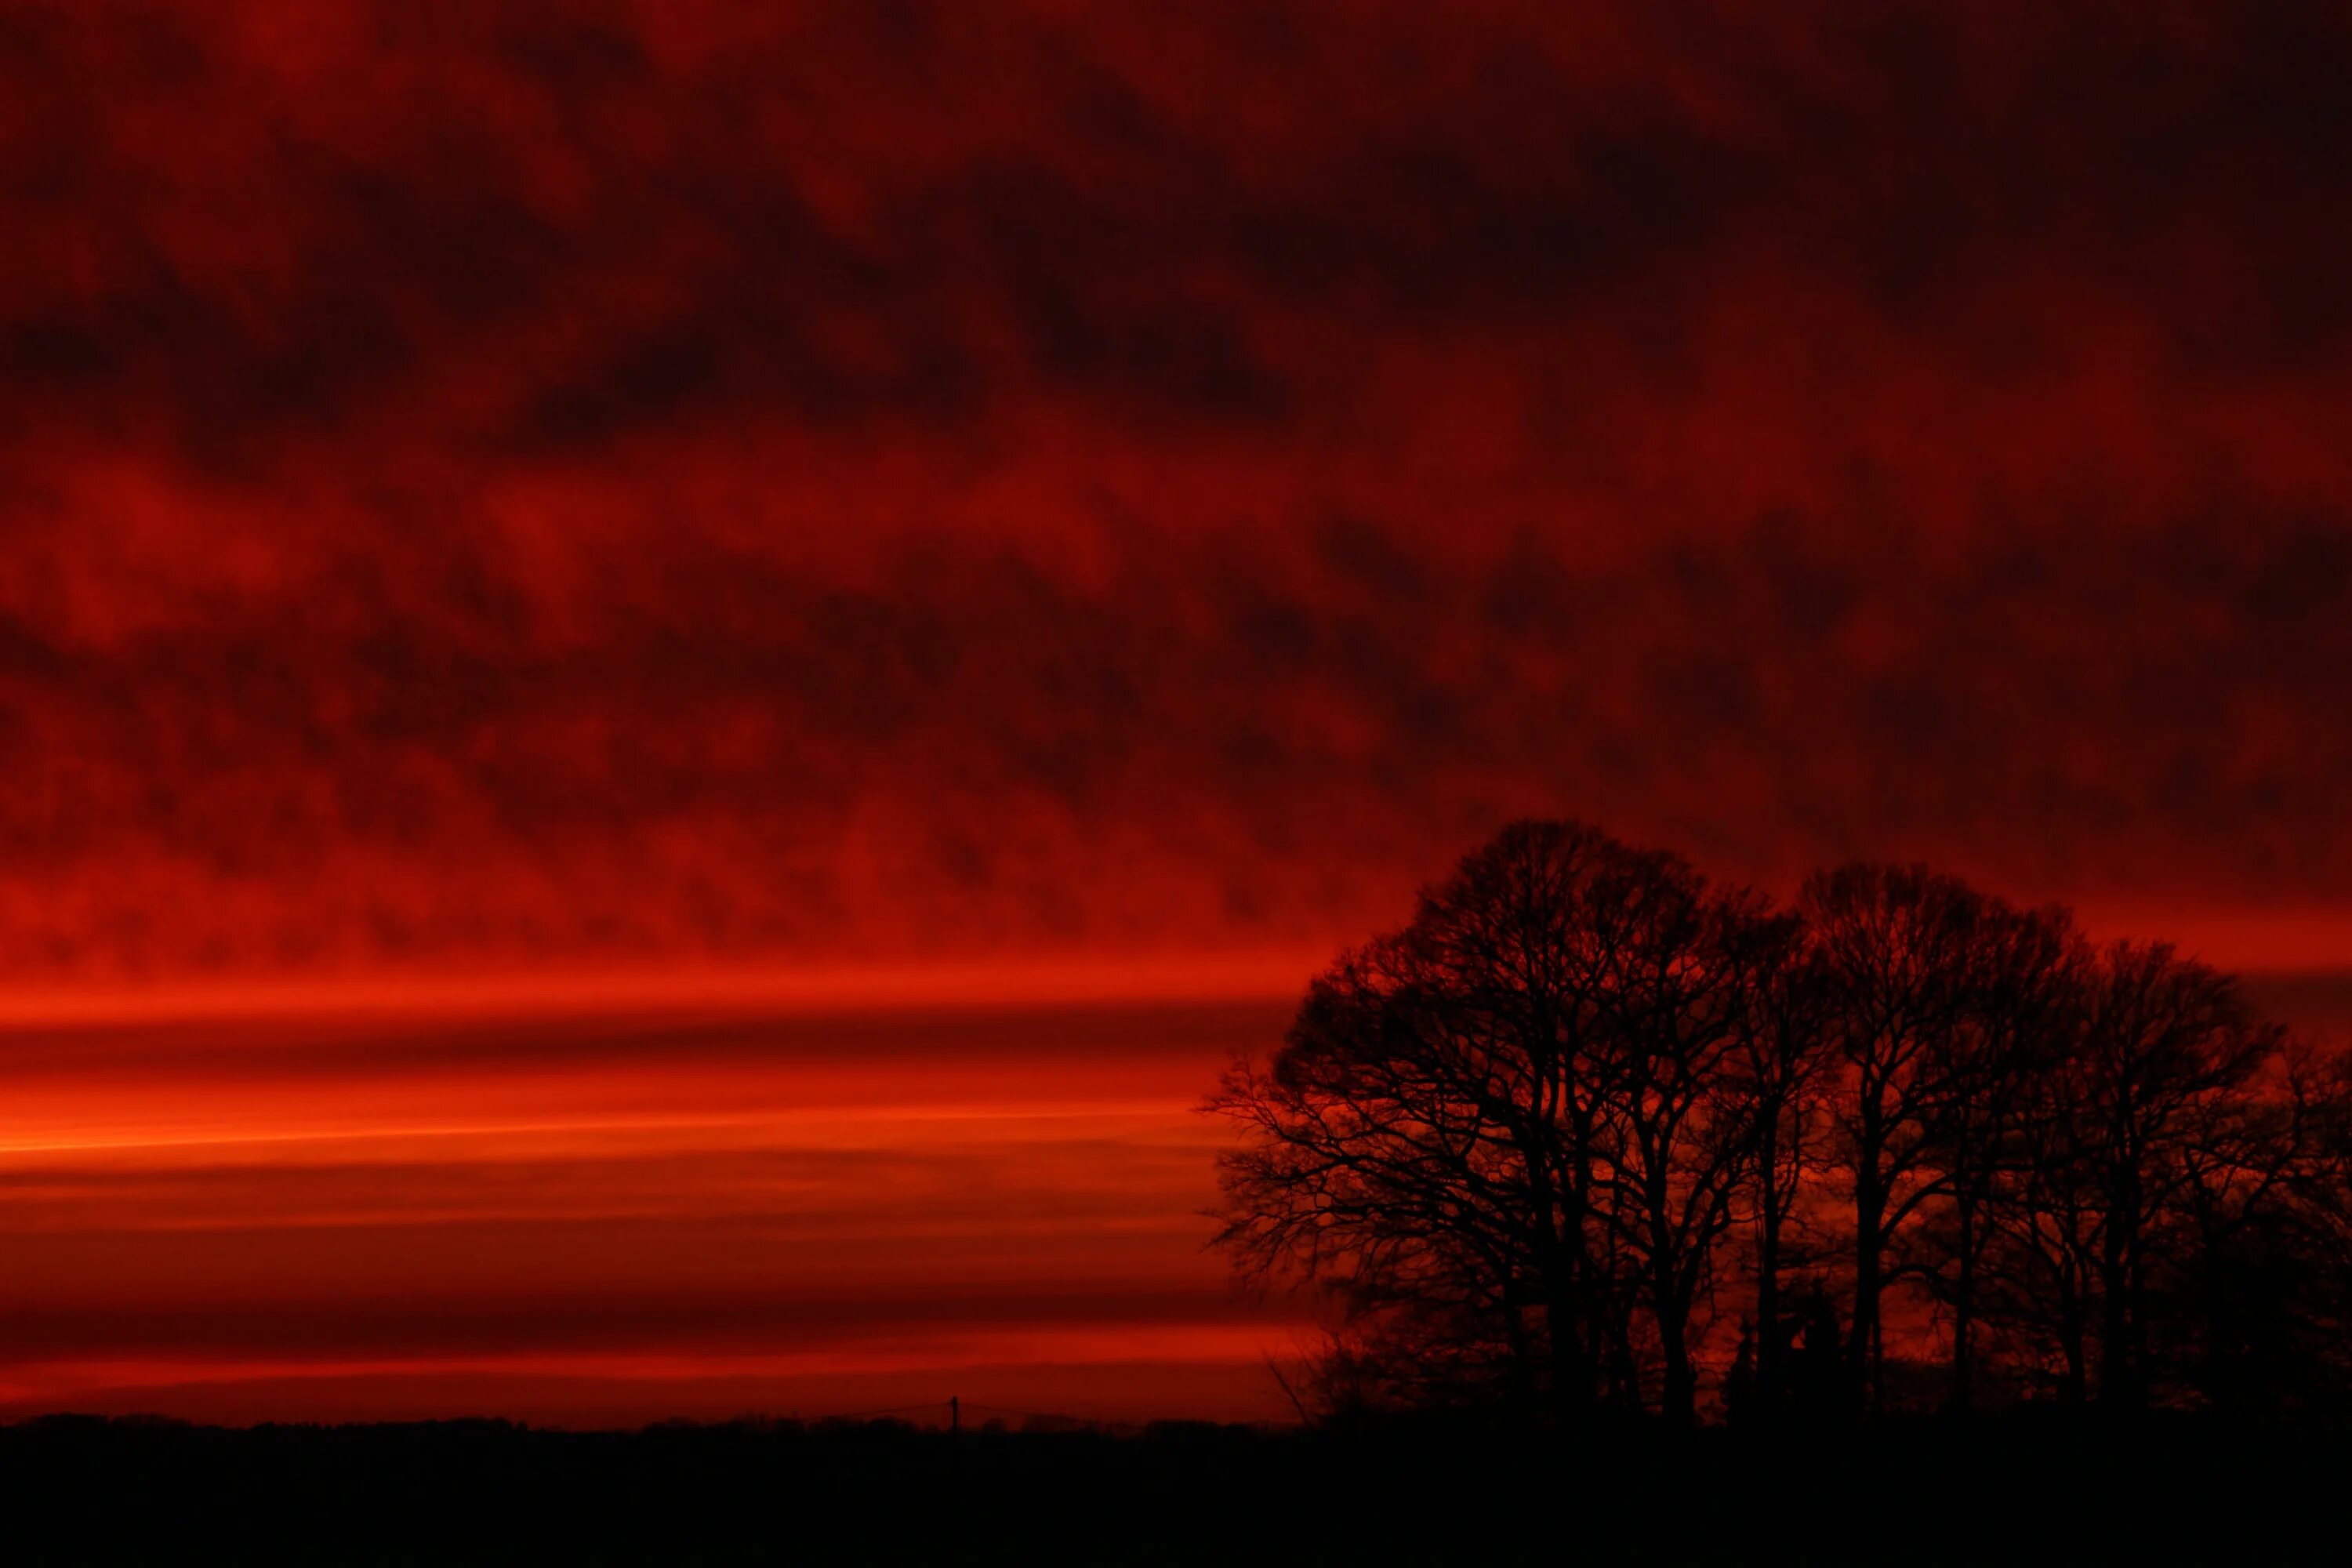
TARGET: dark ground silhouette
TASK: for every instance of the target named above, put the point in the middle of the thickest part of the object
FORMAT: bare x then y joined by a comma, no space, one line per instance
2027,1486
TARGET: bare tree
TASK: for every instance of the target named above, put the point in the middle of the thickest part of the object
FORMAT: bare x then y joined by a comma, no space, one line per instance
1781,1068
2041,1265
1895,943
2021,983
1504,1122
2311,1136
1519,1140
1693,996
2141,1143
2168,1047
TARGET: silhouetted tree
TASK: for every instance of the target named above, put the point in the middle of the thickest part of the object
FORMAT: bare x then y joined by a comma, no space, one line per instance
1499,1127
1782,1070
2167,1047
1897,945
2302,1242
2021,984
1821,1382
2042,1263
1522,1139
1693,995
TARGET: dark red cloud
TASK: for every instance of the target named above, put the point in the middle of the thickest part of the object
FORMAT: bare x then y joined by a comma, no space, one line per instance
504,484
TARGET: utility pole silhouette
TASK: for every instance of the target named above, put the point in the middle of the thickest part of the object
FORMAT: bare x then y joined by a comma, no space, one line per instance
955,1415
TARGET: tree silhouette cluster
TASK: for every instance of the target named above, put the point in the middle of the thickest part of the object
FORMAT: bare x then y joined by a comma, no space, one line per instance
1592,1133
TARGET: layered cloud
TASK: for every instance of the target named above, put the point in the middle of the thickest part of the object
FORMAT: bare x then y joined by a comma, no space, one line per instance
625,1217
513,485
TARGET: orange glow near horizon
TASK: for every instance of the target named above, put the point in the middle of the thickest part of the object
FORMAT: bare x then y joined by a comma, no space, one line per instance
598,1214
622,1201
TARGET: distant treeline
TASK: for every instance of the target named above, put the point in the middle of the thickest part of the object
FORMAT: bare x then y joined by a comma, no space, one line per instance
1592,1133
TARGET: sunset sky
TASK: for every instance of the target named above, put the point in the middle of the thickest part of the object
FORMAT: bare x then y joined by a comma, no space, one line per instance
671,675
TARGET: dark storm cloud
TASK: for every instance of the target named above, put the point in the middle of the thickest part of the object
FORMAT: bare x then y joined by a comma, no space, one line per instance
342,238
489,481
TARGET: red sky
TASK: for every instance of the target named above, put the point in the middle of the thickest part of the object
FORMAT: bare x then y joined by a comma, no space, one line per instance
635,1211
1036,506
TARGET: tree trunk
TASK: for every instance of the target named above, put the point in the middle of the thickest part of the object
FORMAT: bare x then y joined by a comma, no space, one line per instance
1964,1311
1679,1398
1768,1299
1869,1212
1571,1385
2118,1376
2135,1275
2075,1388
1678,1393
1877,1364
1568,1369
1521,1390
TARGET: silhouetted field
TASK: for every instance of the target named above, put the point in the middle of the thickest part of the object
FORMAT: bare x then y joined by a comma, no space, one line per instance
2023,1486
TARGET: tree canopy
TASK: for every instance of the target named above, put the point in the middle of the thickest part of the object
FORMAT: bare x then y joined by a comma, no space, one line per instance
1593,1132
